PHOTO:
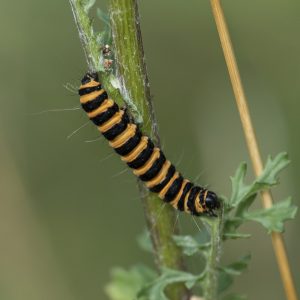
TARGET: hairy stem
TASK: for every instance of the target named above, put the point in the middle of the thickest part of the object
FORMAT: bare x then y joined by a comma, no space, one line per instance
92,49
210,284
134,90
131,72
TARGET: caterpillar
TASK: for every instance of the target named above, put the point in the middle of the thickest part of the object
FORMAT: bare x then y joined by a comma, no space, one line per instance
148,161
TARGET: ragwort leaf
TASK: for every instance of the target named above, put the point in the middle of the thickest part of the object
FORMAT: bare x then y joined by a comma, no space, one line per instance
155,290
273,218
125,285
190,245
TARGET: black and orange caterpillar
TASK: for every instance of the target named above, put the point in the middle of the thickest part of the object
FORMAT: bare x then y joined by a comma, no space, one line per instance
138,151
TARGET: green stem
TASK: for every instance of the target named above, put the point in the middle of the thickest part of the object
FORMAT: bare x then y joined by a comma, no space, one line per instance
131,72
92,49
134,89
210,284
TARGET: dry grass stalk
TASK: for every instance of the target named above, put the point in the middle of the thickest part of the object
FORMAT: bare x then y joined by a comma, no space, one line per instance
241,101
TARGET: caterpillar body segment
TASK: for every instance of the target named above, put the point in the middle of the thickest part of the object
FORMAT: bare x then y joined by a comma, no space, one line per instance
148,161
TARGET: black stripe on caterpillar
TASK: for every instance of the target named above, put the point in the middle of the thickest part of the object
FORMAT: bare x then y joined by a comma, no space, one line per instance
139,152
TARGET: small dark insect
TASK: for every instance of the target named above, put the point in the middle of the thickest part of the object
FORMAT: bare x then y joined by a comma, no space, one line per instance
139,152
106,51
107,58
107,63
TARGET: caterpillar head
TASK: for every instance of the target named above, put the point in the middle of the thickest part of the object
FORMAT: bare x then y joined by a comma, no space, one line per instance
212,203
90,76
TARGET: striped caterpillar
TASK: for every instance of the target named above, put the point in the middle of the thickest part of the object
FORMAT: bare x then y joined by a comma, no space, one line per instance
138,151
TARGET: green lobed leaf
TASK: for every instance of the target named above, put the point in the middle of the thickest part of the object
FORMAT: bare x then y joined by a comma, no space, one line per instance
224,281
244,195
237,267
272,168
239,189
273,218
225,278
125,285
155,290
243,206
231,224
189,245
268,178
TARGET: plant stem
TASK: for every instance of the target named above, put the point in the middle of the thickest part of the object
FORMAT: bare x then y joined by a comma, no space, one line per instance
241,101
131,72
92,49
134,89
210,284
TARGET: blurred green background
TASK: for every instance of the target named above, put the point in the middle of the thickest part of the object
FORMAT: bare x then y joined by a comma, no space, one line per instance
68,212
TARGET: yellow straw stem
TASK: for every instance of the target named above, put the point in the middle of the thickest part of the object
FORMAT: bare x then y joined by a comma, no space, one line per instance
278,243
